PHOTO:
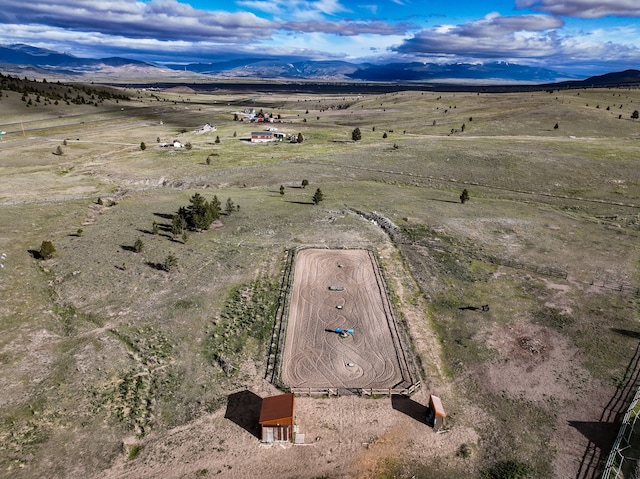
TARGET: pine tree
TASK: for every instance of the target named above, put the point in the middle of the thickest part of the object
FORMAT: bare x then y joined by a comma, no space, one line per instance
318,196
170,263
464,196
178,224
356,135
46,249
138,246
214,208
199,216
229,207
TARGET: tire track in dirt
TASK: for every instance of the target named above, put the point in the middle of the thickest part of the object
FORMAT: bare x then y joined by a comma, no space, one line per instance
314,355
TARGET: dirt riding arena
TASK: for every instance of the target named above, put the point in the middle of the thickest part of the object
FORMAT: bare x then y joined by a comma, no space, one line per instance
341,289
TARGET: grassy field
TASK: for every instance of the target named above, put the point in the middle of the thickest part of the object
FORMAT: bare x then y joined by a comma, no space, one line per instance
103,353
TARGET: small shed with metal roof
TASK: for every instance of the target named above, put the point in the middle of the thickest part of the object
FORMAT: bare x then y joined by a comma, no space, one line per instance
436,413
276,418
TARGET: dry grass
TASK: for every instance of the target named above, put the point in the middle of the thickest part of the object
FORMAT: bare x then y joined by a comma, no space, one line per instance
99,345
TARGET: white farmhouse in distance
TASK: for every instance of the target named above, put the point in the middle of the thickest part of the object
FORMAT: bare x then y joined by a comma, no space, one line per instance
174,143
262,136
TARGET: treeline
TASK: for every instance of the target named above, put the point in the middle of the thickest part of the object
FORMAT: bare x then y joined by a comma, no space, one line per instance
56,92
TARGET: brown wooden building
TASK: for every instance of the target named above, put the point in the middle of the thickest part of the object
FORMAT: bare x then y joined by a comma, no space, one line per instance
436,412
276,418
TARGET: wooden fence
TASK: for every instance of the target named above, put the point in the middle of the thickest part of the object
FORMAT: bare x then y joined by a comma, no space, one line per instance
399,337
405,391
276,347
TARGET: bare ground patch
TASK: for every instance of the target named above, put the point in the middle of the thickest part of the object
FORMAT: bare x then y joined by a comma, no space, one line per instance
341,289
347,437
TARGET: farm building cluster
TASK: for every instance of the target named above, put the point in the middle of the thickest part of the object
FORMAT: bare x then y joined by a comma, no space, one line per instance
206,128
249,114
271,134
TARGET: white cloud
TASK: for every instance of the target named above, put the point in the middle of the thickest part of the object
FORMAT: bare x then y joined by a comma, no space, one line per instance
584,8
319,45
162,19
531,39
491,36
296,9
346,28
95,44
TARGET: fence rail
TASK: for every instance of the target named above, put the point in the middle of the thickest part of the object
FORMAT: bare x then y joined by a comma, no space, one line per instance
619,457
274,358
405,391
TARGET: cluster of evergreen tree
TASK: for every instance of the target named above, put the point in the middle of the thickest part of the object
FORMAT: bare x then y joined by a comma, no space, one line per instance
198,216
59,91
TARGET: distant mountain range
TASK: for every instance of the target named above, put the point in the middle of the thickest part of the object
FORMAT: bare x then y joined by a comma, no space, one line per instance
23,59
370,72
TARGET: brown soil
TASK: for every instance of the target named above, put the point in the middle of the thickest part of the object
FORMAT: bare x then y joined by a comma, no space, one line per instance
357,437
341,289
540,365
345,437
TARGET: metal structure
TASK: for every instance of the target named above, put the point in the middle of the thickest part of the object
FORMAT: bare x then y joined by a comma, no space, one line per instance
628,437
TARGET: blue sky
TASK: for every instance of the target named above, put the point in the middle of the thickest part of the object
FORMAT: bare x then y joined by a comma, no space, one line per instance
574,36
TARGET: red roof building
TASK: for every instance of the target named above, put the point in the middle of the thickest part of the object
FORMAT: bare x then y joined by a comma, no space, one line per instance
262,136
276,418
